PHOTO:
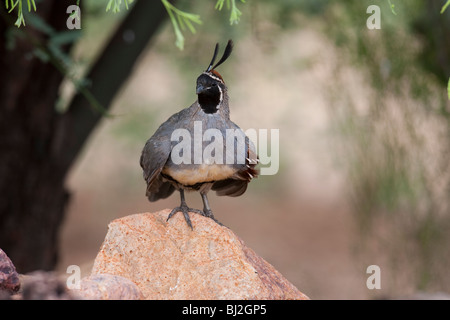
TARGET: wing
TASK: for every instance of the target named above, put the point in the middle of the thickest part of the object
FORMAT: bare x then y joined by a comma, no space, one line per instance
154,156
237,184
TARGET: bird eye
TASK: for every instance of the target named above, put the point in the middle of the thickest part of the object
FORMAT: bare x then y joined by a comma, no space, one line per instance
214,84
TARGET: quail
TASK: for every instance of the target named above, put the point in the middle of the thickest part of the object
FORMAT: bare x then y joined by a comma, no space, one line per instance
227,169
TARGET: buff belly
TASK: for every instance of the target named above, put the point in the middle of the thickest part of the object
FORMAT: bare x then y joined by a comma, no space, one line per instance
200,173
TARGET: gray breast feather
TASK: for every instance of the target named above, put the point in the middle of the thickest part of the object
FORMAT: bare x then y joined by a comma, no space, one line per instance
156,155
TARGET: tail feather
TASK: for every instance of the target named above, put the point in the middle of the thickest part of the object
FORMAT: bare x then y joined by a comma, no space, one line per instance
230,187
162,191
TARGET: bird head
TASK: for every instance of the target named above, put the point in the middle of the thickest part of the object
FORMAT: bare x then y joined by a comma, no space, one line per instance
210,85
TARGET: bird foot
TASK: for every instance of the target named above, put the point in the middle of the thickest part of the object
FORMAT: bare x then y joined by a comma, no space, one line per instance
208,213
185,210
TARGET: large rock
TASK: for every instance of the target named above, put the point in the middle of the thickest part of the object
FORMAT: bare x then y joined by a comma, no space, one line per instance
9,278
108,287
168,260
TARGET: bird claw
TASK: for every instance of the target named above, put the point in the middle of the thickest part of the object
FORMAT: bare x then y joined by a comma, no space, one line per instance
185,210
208,213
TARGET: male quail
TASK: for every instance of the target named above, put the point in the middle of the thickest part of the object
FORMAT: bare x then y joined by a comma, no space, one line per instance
228,178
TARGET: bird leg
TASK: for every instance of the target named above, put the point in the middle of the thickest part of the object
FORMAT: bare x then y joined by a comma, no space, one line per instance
207,212
184,209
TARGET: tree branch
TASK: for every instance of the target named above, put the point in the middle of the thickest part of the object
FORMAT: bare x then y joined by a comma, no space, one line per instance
108,74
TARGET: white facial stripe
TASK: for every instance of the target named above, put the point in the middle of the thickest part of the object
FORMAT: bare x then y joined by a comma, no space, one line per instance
221,97
214,77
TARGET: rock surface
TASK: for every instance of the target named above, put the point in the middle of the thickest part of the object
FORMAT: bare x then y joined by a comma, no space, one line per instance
9,278
168,260
108,287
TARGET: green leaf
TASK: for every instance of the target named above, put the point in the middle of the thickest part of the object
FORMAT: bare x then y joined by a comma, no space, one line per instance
180,20
65,37
448,89
39,24
190,26
235,13
20,20
11,5
219,5
41,55
231,5
116,4
31,3
445,6
392,7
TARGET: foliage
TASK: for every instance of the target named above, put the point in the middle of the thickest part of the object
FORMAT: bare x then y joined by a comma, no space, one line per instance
396,142
181,20
52,52
231,5
116,4
444,7
448,89
392,7
19,3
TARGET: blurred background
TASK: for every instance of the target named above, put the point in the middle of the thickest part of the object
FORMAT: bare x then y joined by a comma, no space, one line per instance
364,120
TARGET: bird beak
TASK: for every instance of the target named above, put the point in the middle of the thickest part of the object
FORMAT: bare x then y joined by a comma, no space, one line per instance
199,89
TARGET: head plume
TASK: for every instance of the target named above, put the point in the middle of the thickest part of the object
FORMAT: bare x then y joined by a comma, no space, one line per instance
225,55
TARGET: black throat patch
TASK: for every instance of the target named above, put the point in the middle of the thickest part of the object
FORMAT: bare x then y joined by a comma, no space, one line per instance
209,100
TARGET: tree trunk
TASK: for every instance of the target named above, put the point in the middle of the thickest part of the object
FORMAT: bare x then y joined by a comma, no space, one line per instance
31,184
38,145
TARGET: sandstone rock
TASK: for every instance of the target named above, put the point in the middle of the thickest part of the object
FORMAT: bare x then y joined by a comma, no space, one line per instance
168,260
108,287
9,278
